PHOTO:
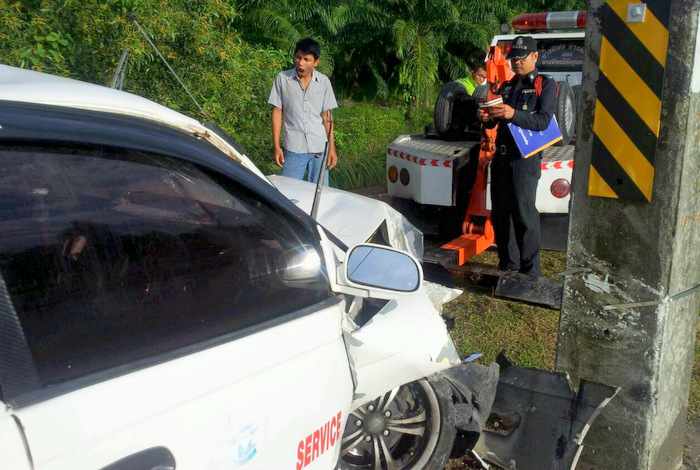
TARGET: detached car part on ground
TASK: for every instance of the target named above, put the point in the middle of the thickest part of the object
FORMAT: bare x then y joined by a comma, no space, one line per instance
163,305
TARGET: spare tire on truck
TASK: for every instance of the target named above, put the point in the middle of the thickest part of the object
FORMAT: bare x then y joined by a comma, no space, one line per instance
455,111
566,112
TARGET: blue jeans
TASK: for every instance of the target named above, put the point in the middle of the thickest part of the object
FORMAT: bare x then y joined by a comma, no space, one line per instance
304,166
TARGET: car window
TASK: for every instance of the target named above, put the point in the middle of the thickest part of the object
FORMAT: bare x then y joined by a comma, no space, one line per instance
112,256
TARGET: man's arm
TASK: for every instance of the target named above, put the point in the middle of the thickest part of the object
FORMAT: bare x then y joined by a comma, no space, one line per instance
329,103
547,105
276,133
275,100
328,126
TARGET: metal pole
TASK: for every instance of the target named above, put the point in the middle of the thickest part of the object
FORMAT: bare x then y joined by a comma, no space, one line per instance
319,182
120,71
182,84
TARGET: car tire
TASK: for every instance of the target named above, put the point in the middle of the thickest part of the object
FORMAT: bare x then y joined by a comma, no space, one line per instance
566,112
423,404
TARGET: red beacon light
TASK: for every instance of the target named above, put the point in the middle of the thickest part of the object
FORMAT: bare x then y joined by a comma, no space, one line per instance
550,21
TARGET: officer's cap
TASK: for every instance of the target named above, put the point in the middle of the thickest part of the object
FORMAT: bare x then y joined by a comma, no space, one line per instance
522,46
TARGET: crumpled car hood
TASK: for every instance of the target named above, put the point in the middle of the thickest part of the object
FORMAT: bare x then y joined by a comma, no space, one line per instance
351,217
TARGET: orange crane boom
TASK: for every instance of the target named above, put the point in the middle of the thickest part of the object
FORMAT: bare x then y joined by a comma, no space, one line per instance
477,230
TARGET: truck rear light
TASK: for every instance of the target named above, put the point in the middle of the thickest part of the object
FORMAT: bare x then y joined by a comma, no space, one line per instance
404,176
560,188
550,21
393,174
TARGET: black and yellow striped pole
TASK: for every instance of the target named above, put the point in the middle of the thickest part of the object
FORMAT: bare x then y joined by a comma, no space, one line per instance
633,52
632,293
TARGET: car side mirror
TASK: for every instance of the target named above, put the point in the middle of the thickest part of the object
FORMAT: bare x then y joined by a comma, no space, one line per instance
380,267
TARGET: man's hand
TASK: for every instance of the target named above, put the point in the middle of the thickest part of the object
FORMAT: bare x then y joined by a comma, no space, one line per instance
279,157
332,159
502,111
484,116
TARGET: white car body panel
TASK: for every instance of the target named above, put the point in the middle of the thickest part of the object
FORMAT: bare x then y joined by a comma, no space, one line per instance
351,217
14,454
199,404
35,87
405,341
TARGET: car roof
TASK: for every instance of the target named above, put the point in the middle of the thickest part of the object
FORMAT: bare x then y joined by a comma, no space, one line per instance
28,86
35,87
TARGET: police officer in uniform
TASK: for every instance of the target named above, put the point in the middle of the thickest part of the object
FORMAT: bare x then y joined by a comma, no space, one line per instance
529,102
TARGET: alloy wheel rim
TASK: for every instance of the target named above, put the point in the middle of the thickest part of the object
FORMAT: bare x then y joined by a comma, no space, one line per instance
396,431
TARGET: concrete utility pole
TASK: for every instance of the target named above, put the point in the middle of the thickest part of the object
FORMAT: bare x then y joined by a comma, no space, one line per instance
630,308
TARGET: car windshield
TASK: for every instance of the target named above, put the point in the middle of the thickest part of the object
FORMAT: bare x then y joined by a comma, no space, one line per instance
556,55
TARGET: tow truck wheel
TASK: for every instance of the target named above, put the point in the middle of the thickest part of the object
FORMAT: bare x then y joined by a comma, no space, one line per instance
410,427
566,113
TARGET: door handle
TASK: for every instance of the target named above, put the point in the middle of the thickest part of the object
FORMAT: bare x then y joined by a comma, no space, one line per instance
155,458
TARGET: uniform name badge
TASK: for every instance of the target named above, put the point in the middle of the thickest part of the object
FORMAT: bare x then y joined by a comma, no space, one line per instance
530,142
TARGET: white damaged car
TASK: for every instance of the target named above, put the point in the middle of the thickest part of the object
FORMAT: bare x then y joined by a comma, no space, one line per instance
164,306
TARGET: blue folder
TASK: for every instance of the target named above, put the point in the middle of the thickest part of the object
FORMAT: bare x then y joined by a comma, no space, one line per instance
532,142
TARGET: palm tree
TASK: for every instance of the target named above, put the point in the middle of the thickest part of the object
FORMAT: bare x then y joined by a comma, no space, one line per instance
410,45
380,48
281,23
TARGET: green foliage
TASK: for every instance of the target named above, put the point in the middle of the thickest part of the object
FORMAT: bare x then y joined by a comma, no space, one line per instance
281,23
84,39
362,132
411,45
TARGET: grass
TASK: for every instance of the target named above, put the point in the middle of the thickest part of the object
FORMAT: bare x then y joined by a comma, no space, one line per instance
528,334
362,132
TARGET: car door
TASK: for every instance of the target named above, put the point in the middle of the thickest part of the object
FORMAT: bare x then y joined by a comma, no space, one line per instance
14,453
164,332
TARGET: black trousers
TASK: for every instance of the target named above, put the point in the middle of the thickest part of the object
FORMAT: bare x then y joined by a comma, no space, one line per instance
516,220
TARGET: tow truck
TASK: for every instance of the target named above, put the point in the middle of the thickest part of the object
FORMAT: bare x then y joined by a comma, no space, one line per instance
439,181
